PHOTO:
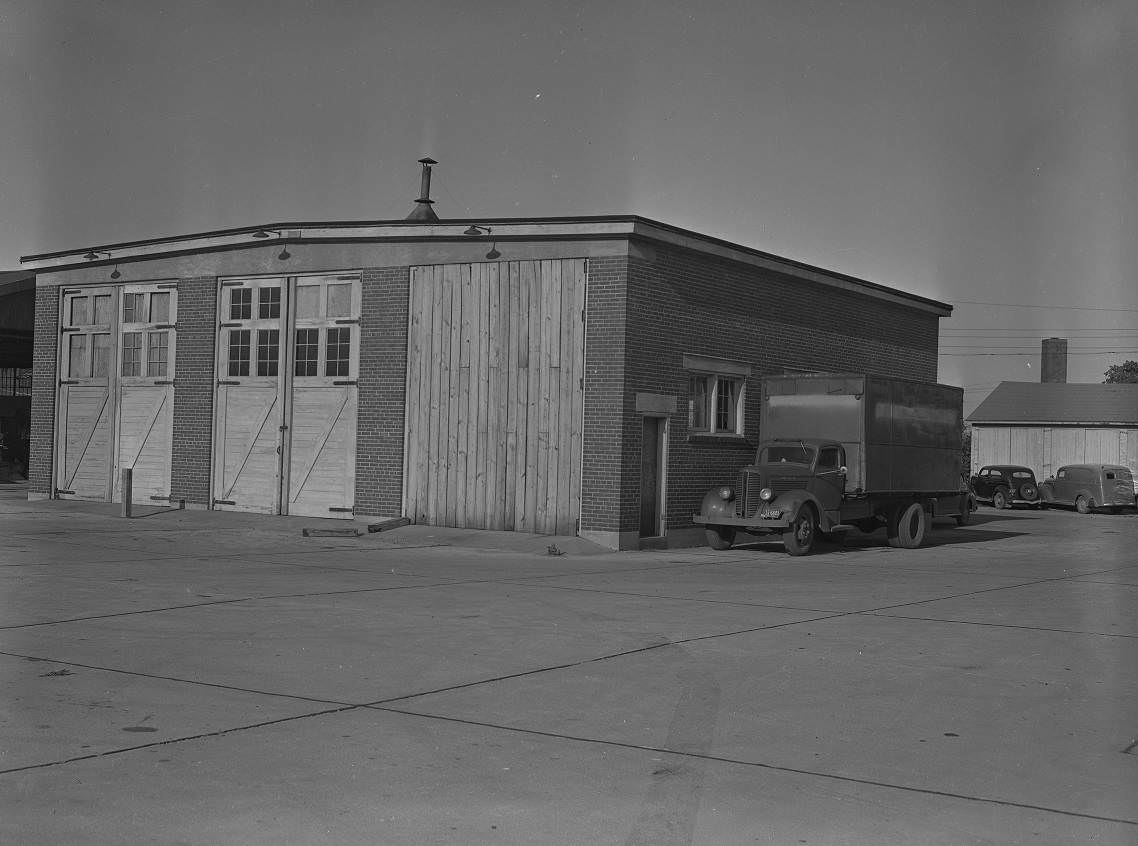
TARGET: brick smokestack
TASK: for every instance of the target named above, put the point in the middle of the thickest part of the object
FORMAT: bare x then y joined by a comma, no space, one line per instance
1053,360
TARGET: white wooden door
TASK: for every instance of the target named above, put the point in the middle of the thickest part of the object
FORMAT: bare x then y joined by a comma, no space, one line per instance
86,409
145,409
288,362
323,400
249,409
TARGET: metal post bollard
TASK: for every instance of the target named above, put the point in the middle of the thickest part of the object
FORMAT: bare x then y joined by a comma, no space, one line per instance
127,492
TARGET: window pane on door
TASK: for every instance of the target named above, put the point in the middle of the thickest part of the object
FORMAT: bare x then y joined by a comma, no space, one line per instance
307,351
338,351
239,352
307,301
160,307
268,350
340,300
240,304
132,354
132,308
77,355
101,349
157,351
80,311
103,310
269,303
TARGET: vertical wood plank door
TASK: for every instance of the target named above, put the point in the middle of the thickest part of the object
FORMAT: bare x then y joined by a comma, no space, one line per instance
323,400
249,414
146,354
85,433
495,387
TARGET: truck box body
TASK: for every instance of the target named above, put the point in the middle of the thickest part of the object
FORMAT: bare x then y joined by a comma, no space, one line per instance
899,435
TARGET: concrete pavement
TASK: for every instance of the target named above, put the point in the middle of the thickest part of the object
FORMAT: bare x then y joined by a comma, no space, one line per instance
211,678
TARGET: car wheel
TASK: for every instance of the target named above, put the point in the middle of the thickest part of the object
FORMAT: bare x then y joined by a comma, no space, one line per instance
800,537
720,537
907,526
1000,499
1084,505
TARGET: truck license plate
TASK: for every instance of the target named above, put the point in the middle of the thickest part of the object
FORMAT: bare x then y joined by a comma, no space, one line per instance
770,514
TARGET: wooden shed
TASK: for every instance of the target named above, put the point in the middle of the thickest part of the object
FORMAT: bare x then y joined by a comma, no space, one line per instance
1047,425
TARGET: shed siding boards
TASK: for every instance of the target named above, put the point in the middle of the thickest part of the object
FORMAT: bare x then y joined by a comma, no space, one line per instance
680,302
494,388
1047,448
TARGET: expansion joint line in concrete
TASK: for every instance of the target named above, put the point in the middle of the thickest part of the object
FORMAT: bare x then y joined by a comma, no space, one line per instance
720,759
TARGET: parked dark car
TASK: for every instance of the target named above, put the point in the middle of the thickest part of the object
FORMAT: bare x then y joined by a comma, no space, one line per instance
1005,485
1089,487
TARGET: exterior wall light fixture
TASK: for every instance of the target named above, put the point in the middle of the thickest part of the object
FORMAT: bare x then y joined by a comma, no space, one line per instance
474,229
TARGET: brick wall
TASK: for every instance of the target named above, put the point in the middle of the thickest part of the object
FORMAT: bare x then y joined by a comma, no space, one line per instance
44,385
382,391
609,476
192,451
683,302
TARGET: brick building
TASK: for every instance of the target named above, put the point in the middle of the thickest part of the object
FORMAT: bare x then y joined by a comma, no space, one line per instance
589,375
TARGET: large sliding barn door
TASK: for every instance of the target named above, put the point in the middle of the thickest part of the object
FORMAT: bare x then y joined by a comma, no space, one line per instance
495,383
288,355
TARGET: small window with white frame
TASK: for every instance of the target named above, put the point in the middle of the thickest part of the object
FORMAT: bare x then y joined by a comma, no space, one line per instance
716,395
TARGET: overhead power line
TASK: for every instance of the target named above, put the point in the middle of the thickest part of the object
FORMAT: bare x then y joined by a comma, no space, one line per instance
1069,352
1057,308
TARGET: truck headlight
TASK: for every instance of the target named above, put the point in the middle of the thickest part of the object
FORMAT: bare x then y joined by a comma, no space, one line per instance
726,493
766,494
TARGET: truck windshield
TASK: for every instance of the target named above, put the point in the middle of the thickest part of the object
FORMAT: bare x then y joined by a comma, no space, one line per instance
786,454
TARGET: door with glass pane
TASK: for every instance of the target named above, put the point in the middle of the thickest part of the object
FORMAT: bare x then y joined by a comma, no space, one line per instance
249,413
145,417
86,410
288,360
322,404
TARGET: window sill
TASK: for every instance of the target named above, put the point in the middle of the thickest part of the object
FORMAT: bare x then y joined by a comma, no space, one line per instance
706,438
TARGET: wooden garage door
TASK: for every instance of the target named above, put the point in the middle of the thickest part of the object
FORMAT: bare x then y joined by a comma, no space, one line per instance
495,382
86,410
145,410
285,429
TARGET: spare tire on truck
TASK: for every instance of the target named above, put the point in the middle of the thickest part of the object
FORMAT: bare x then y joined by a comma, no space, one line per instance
907,525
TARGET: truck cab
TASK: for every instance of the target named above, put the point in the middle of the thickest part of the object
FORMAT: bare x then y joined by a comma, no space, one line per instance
771,492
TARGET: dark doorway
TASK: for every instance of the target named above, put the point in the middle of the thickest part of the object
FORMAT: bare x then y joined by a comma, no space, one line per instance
654,441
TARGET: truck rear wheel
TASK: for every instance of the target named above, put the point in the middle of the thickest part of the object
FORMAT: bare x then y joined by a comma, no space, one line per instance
803,532
907,526
720,537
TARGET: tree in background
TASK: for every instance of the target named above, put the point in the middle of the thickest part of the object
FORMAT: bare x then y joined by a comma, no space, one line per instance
1117,374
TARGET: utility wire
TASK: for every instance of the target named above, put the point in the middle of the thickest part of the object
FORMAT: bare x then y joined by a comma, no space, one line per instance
1057,308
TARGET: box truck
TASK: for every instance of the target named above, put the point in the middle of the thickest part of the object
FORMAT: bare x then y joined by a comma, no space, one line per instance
841,452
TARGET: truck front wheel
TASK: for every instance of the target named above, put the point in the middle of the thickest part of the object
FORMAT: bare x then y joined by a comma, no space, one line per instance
720,537
803,532
907,526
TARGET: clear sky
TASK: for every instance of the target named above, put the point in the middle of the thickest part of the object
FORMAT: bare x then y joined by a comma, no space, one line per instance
978,152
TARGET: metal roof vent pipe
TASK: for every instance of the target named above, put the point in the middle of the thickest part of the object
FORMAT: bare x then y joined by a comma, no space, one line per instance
423,211
1053,361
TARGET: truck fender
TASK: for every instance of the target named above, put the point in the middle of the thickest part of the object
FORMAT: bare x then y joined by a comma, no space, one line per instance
791,501
714,505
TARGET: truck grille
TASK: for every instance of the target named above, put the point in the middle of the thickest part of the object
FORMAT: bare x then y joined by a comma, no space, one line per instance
747,500
747,493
